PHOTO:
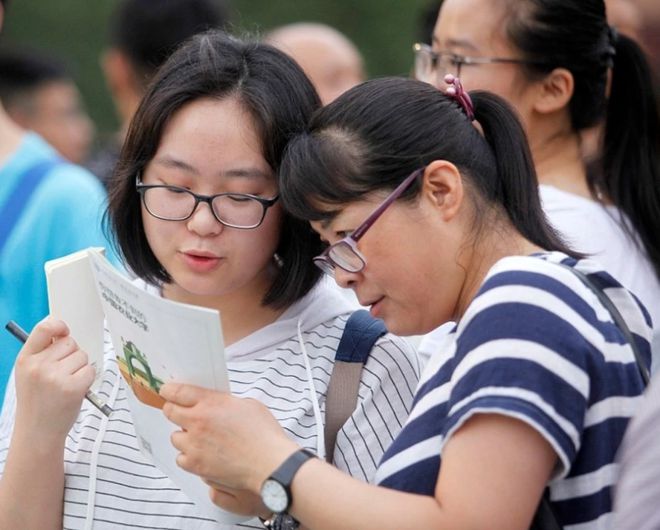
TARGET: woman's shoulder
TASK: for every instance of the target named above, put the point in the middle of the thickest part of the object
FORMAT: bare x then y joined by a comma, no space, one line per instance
551,298
532,279
553,272
536,277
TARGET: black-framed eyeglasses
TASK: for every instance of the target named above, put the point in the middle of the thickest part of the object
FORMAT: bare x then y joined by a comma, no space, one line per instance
344,253
172,203
431,67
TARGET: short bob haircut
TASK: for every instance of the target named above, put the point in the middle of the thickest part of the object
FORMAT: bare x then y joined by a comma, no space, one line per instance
279,97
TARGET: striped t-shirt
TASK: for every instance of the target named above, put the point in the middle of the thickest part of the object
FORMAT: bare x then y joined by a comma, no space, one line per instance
535,344
105,469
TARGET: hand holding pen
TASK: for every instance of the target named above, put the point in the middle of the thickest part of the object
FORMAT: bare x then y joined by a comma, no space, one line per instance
71,358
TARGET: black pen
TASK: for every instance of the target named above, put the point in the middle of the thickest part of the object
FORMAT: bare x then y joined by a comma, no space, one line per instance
18,332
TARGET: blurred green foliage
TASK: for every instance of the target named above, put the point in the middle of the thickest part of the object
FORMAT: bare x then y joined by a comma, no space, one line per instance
76,30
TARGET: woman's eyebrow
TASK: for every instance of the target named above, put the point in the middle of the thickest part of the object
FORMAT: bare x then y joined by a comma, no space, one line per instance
247,172
239,172
168,161
456,43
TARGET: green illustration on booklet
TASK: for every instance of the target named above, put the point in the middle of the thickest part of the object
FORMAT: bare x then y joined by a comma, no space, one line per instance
135,369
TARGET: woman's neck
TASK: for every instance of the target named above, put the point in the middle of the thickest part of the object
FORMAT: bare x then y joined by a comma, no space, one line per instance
491,247
559,163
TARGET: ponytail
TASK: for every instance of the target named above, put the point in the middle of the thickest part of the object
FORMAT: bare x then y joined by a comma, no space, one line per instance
629,169
517,185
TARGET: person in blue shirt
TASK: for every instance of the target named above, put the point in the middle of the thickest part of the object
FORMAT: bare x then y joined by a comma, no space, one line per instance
429,205
61,214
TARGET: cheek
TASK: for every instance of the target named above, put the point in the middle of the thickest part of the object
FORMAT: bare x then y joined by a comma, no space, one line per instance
261,244
159,233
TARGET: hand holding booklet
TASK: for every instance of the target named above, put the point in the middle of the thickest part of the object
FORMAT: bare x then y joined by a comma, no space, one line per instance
154,339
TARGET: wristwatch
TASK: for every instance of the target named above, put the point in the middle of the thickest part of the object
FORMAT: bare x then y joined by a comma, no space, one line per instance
276,489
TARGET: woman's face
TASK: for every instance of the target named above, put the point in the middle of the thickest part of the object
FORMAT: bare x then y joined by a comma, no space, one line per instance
211,146
477,28
411,279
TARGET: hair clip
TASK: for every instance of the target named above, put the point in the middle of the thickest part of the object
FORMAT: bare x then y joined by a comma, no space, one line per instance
456,91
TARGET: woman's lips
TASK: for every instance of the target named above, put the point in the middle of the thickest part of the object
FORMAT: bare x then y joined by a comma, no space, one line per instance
375,308
201,261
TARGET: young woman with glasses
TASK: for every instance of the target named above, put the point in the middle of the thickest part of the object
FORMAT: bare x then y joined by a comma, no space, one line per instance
196,208
565,70
431,218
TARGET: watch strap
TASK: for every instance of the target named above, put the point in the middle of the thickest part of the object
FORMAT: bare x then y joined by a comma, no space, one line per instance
283,476
286,471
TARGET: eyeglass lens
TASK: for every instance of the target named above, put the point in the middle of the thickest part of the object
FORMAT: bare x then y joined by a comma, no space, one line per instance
341,255
432,68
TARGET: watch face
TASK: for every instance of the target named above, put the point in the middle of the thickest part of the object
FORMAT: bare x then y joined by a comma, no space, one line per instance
274,496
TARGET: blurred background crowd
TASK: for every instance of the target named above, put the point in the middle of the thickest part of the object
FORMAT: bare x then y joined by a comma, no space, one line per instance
64,73
60,72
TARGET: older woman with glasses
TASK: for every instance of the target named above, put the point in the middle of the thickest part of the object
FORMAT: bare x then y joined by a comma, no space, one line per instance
199,220
432,217
565,70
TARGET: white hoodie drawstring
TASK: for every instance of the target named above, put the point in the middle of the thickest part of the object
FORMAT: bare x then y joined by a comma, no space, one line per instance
93,464
320,431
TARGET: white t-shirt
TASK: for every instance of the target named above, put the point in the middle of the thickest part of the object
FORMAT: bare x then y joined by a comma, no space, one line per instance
268,365
591,228
638,489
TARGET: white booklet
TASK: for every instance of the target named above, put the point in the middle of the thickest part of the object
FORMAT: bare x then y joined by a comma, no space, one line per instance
155,340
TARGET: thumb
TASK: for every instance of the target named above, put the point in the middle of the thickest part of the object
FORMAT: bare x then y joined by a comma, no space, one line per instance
181,394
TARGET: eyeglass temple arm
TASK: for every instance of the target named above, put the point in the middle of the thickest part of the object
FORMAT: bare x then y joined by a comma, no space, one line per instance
355,236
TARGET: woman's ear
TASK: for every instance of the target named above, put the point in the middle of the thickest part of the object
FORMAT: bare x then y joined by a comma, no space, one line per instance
554,91
442,184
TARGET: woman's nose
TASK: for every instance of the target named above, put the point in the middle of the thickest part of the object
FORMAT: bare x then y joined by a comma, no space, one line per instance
344,278
203,221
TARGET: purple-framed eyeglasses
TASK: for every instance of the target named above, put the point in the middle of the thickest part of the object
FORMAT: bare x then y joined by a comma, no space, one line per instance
345,254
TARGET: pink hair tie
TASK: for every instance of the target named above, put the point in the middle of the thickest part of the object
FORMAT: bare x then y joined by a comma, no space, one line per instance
456,91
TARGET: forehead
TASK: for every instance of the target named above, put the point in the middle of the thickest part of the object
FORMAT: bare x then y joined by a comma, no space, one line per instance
212,132
346,216
471,24
207,114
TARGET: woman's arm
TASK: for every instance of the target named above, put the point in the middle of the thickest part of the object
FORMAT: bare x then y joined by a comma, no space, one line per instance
52,376
493,472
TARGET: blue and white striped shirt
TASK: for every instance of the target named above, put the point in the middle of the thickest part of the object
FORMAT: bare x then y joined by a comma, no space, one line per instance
537,345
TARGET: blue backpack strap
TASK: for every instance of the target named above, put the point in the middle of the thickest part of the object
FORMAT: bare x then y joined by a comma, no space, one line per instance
20,195
360,334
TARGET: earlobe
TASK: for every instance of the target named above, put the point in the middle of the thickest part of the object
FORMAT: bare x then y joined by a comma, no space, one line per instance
555,91
443,185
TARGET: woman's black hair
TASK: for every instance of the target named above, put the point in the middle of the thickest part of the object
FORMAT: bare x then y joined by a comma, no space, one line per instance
574,34
376,134
280,99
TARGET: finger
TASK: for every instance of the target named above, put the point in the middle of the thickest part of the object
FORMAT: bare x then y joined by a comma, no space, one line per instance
62,348
175,413
178,440
85,376
183,461
74,361
238,501
223,500
80,381
217,485
43,334
180,394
